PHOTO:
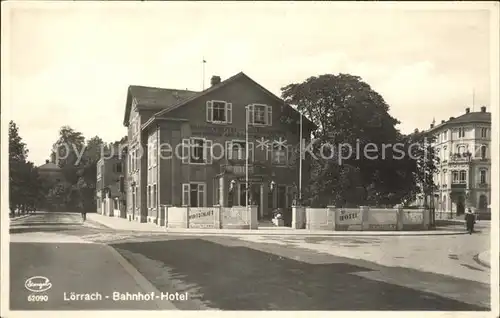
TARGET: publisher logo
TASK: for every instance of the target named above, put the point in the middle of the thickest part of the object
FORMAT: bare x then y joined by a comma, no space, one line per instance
38,284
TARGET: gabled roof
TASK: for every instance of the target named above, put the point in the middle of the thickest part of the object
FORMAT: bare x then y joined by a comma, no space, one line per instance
153,98
49,166
231,79
471,117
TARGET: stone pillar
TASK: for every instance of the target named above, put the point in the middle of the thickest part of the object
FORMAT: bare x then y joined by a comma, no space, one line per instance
331,217
222,192
400,218
426,219
364,210
218,216
254,223
298,217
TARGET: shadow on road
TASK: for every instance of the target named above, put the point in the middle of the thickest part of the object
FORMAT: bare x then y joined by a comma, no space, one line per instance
242,278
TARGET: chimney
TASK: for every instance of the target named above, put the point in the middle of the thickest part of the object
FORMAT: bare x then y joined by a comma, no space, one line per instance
451,118
483,109
467,110
442,121
432,125
47,161
215,80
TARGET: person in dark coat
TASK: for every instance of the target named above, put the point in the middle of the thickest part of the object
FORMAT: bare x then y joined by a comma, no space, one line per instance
470,219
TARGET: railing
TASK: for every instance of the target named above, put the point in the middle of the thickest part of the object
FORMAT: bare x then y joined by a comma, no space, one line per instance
460,185
482,185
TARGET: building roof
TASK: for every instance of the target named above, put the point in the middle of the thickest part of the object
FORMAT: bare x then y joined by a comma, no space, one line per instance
49,166
153,98
471,117
212,88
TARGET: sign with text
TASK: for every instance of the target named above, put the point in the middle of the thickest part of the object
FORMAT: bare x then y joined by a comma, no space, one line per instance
348,217
201,218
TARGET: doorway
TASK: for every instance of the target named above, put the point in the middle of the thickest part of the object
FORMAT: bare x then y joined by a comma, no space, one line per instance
483,202
461,205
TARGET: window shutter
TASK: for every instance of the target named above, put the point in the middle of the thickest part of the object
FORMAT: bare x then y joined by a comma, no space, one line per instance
229,113
290,154
210,111
208,151
185,150
201,195
251,151
250,115
185,194
269,112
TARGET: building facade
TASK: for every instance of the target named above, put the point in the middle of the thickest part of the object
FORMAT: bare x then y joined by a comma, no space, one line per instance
464,177
189,148
111,184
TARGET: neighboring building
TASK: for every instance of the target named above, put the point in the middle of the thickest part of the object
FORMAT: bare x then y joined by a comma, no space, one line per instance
50,172
195,122
464,179
110,184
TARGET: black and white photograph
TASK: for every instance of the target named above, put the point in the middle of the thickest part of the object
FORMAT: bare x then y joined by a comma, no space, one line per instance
290,158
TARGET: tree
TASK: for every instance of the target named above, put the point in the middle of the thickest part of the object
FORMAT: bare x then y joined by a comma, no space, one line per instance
348,112
17,157
424,166
25,188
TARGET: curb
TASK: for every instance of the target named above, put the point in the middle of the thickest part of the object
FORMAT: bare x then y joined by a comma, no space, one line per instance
141,281
335,234
482,259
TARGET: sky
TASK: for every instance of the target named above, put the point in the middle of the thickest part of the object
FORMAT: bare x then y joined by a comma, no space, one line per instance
71,65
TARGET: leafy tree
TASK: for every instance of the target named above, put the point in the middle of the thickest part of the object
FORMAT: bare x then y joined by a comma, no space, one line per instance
348,112
25,189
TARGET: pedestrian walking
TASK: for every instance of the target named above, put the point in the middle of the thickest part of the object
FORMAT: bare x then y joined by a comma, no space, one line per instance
470,219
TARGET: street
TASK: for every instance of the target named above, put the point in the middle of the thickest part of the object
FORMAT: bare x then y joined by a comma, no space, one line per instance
251,272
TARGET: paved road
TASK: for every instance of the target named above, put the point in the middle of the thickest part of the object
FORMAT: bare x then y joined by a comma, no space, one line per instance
232,273
50,245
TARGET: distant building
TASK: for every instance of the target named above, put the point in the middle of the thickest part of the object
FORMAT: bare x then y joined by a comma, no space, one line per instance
110,183
50,172
464,177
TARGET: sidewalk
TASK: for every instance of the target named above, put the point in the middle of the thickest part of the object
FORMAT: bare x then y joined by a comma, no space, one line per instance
123,224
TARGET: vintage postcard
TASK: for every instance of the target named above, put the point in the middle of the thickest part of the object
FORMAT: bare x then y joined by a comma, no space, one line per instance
290,158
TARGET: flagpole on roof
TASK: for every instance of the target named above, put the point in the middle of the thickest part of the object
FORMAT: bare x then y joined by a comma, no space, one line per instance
204,61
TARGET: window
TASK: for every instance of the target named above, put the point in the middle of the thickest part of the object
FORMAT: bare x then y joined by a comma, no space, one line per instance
197,153
238,150
260,115
483,152
461,132
243,194
484,132
445,153
118,167
482,176
461,150
219,112
445,135
455,177
193,194
270,199
279,154
463,176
